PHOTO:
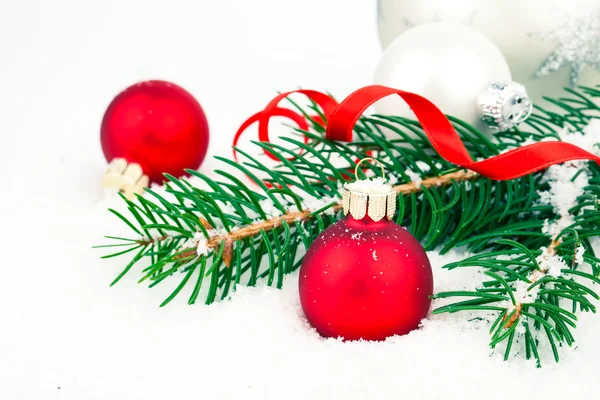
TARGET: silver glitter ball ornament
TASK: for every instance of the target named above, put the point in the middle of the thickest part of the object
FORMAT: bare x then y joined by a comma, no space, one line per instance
504,105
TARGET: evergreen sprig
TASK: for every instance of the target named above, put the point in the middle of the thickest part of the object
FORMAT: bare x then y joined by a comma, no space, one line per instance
256,223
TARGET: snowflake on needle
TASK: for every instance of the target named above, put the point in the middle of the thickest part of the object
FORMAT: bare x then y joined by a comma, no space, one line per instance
578,45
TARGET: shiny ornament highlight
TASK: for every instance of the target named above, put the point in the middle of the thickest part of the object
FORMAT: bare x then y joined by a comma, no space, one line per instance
444,62
159,126
365,279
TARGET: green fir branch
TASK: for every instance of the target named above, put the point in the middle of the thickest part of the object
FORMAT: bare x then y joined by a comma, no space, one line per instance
212,235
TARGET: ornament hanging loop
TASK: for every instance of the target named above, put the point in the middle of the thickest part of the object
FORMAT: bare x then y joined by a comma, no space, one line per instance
373,198
373,160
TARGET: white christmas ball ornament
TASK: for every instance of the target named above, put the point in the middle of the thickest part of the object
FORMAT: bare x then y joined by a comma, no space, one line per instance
396,16
548,44
447,63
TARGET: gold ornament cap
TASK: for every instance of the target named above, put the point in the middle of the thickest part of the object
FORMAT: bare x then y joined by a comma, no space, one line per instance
374,198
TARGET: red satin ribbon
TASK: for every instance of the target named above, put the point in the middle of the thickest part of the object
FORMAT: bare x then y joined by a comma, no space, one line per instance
264,137
342,117
326,102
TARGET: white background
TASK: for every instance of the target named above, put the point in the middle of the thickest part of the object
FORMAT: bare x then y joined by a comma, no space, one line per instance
65,334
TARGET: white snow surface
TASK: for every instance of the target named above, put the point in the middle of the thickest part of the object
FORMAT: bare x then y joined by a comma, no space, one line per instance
65,334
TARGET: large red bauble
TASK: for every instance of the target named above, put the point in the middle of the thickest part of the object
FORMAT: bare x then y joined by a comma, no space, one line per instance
158,125
365,279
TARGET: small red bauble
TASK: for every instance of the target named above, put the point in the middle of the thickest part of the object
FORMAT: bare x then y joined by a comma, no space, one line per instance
157,125
362,279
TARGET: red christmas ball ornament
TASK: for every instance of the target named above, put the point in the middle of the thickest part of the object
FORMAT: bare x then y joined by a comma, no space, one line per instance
157,125
365,277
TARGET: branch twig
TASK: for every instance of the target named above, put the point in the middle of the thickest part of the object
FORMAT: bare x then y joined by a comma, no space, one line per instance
304,215
536,276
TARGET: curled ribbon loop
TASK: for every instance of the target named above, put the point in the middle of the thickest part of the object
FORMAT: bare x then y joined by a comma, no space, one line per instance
275,112
342,117
326,102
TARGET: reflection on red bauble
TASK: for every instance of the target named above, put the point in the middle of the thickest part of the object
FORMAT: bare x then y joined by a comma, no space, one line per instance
158,125
365,279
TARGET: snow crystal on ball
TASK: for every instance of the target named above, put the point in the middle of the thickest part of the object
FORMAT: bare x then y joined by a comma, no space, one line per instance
356,236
